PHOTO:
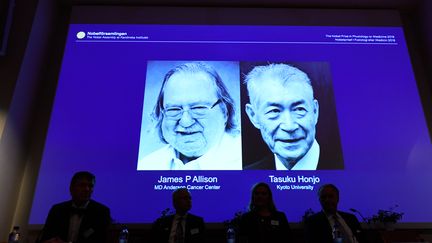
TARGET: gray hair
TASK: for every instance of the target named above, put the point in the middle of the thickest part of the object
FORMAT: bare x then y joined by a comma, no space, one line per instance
221,91
284,73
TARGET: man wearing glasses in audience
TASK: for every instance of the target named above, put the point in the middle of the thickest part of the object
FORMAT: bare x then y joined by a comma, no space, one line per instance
195,117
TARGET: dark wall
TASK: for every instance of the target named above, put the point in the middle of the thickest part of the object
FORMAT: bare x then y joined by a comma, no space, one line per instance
23,14
26,72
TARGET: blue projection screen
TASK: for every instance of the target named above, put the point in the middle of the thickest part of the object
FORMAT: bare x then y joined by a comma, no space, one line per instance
371,130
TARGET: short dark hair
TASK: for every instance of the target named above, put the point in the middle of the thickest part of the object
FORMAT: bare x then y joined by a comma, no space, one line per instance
329,186
178,191
176,194
221,91
82,175
252,206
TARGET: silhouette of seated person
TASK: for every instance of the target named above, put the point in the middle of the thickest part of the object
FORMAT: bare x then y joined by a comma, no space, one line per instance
181,227
263,223
79,220
319,228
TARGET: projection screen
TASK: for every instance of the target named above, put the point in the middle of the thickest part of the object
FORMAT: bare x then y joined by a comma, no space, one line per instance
357,122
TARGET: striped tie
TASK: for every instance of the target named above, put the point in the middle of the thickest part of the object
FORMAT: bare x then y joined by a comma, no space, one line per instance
179,235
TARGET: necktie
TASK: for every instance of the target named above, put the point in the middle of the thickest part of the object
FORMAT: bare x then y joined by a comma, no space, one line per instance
342,230
179,235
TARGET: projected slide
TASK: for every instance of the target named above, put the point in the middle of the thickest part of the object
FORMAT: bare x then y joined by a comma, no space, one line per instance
218,108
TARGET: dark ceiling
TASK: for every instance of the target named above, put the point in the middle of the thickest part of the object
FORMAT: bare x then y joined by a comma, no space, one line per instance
366,4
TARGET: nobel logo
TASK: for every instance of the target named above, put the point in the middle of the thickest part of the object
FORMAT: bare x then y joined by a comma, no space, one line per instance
80,35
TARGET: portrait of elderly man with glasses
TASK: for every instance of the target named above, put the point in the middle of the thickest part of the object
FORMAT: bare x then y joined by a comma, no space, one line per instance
195,118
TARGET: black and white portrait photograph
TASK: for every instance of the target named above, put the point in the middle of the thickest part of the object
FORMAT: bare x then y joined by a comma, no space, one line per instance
191,116
289,117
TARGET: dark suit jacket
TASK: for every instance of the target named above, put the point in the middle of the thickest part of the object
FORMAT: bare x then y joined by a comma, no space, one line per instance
326,162
194,229
256,229
319,230
94,225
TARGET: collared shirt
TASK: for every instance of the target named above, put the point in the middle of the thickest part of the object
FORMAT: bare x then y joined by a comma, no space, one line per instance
343,224
175,222
75,223
223,156
308,162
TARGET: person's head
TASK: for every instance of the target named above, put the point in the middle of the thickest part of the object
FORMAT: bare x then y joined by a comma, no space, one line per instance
261,198
282,106
182,200
328,195
81,187
194,109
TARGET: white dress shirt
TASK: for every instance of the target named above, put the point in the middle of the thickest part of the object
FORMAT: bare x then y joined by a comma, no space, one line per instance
75,223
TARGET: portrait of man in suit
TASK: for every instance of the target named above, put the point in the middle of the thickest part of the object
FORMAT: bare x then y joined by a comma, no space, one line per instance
283,106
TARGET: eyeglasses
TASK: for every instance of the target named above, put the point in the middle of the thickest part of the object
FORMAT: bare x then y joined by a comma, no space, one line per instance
196,111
